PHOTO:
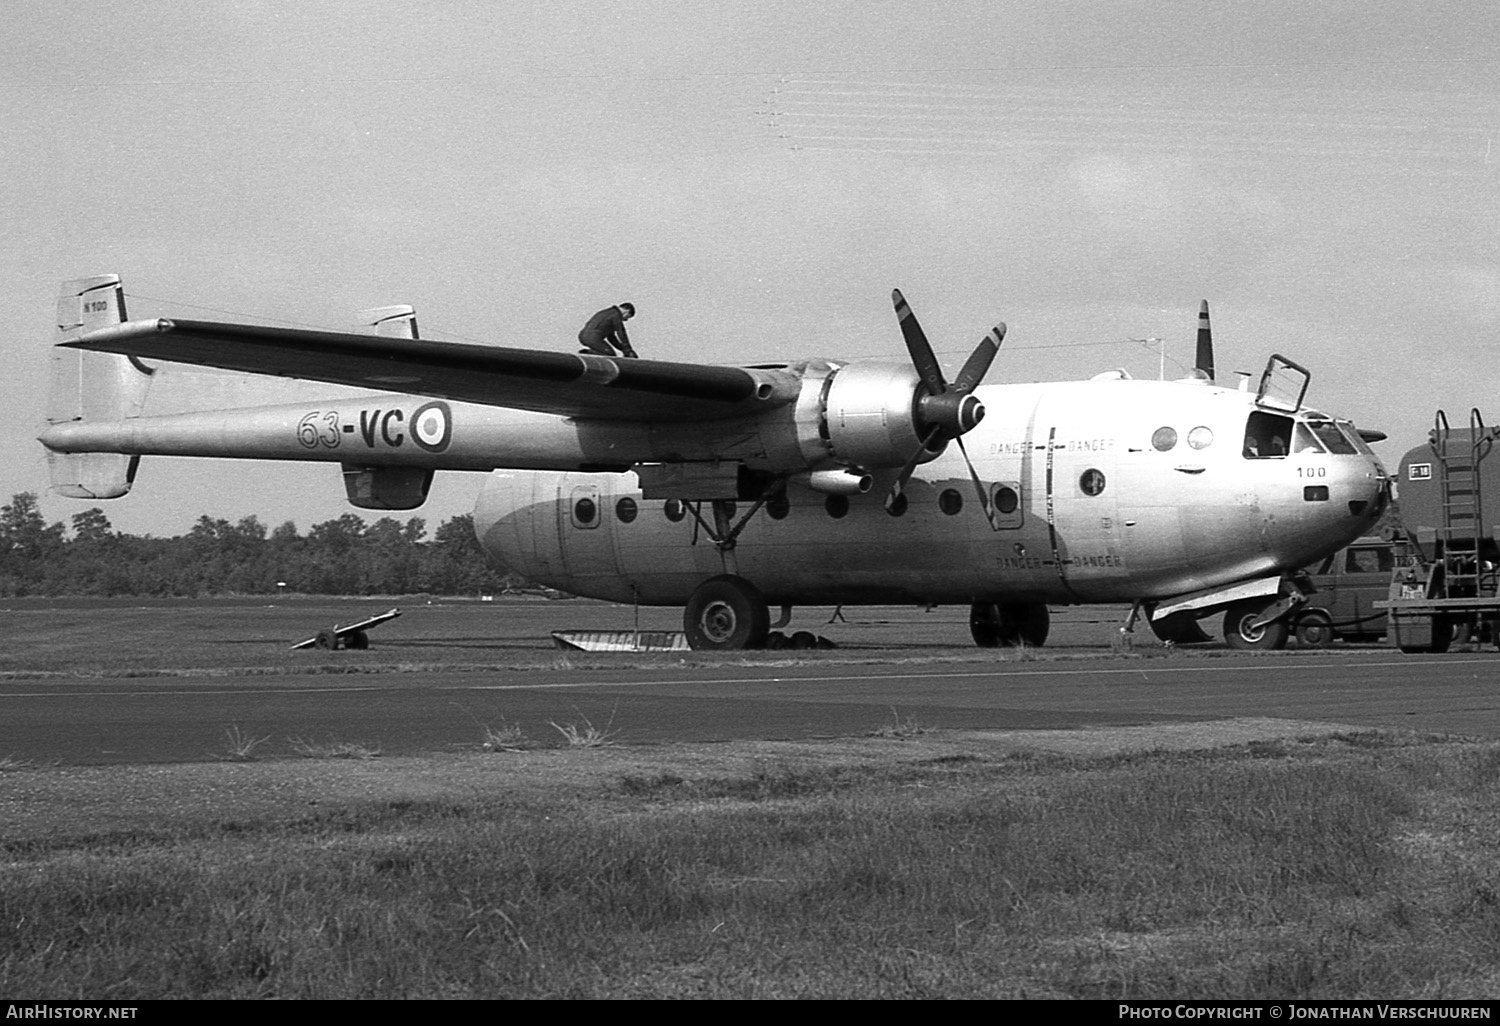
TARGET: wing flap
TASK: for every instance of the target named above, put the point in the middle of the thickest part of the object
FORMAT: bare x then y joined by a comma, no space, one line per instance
567,384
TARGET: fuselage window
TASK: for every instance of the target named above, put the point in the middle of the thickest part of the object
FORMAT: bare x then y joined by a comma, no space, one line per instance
675,510
1200,437
1266,436
1164,439
836,505
1006,499
951,502
626,509
1091,481
1315,493
778,506
584,511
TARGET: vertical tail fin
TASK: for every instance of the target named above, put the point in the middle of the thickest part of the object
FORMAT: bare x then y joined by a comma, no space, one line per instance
93,387
390,321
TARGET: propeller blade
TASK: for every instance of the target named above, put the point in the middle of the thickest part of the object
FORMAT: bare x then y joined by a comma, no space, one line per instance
1205,357
979,361
916,344
911,465
984,500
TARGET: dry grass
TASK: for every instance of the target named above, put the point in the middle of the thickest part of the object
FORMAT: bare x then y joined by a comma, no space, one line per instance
586,735
334,748
240,747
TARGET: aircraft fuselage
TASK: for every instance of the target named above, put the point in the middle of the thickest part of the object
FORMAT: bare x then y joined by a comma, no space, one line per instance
1104,491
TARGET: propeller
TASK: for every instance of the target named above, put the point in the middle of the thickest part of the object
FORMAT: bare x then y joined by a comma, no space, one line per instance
944,411
1205,356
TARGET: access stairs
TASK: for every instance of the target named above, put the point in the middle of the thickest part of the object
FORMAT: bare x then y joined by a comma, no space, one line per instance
1451,592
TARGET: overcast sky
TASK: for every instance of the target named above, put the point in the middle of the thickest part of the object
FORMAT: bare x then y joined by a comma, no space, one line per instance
756,178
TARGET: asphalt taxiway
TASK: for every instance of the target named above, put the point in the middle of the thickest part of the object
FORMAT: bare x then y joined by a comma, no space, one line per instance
184,718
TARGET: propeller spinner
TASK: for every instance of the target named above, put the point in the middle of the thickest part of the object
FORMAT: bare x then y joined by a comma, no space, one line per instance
944,412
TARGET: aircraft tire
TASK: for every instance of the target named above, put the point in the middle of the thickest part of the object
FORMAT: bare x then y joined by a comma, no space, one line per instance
1315,629
1240,635
359,640
1180,629
328,640
1009,624
726,613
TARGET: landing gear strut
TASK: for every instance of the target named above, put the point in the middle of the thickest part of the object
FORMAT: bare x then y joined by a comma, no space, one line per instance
1009,624
726,613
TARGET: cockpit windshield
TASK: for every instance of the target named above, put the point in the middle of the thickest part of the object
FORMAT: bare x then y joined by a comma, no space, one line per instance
1271,435
1352,433
1332,438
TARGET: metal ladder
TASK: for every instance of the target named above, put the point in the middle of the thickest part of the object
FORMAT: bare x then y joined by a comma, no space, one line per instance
1462,502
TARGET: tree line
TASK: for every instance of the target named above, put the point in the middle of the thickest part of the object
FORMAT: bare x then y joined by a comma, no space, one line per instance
344,556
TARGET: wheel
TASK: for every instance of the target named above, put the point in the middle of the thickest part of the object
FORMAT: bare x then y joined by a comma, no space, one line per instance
327,639
804,640
1009,624
1180,629
1239,633
726,612
1315,628
358,640
1445,631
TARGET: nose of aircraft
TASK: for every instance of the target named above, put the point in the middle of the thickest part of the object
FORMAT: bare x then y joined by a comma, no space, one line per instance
1369,488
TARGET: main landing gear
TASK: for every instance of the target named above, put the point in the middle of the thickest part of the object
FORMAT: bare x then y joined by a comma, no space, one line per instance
726,612
1009,624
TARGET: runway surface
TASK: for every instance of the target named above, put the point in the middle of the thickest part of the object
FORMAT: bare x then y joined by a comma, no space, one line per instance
184,718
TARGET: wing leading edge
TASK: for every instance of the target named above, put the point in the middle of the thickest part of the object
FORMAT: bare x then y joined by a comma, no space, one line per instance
566,384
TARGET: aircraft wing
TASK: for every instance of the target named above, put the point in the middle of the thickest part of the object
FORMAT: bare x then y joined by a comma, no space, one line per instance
568,384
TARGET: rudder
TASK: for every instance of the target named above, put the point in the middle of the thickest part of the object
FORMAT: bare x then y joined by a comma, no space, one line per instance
88,386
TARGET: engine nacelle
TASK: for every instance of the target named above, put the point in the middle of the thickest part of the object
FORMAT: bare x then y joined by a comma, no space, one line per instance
869,417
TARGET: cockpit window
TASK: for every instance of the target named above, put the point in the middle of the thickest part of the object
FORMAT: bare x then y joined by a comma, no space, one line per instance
1303,440
1266,436
1352,433
1332,438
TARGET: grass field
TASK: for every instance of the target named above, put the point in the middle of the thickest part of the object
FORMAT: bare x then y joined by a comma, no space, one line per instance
1234,860
911,865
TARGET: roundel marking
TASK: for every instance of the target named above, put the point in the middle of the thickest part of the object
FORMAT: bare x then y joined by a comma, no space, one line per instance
432,426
